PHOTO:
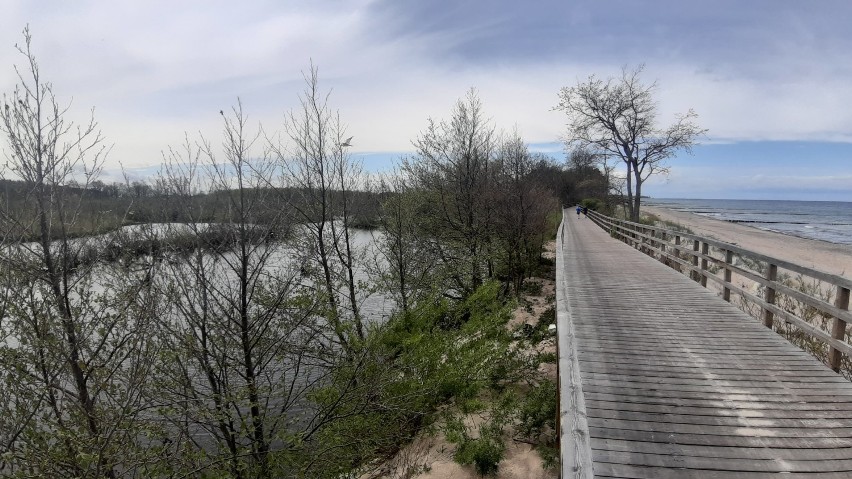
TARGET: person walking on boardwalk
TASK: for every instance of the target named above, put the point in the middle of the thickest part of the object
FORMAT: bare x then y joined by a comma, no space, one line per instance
579,209
585,211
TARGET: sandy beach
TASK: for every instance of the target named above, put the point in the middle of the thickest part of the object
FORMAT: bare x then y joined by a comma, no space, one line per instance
820,255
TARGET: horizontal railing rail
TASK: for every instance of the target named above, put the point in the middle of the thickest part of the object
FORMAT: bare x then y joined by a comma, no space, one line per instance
806,304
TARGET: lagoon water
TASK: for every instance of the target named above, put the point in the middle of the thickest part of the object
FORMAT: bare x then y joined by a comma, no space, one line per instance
821,220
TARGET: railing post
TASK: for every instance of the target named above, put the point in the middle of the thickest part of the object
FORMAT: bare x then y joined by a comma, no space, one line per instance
677,253
838,328
663,241
649,242
726,291
769,295
705,250
656,242
652,241
695,244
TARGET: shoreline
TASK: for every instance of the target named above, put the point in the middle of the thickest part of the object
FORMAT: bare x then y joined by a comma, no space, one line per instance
833,258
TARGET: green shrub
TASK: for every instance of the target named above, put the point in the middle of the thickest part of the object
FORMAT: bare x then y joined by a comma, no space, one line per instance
548,357
675,226
549,456
532,288
485,304
537,411
540,331
649,219
484,452
592,203
411,366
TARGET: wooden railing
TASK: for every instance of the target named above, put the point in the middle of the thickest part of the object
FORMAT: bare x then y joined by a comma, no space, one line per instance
806,292
575,453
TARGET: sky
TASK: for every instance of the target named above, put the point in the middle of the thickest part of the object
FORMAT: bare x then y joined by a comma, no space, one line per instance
769,79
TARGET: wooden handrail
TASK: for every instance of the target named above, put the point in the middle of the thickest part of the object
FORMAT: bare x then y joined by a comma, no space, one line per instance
575,452
670,247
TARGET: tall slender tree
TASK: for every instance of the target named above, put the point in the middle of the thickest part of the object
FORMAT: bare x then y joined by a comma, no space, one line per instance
75,328
242,345
317,167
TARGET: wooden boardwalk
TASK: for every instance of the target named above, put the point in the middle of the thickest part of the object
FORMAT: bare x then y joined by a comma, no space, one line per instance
661,378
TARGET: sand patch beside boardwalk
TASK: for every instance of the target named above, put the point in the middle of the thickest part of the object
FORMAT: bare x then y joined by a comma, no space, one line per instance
820,255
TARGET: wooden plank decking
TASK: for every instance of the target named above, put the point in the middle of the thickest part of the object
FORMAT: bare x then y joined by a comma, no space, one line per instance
676,383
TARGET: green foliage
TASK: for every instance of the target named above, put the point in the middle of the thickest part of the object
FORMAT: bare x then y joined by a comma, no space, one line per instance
532,288
484,452
554,218
546,267
486,206
674,226
539,332
549,456
485,309
648,219
548,357
408,368
592,203
537,411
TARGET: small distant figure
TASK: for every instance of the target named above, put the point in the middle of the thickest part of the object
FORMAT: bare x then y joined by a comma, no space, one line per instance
579,209
585,211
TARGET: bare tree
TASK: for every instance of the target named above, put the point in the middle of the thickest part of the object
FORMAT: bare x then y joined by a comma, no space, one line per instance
244,344
321,178
74,328
617,117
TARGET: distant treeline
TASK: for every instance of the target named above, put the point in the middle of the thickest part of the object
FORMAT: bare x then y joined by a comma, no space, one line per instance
104,207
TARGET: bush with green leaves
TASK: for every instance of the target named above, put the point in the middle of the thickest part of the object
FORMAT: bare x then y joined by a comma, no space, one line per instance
592,203
483,452
537,411
438,352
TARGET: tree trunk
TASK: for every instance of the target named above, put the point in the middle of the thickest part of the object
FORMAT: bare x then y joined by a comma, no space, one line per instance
637,200
630,191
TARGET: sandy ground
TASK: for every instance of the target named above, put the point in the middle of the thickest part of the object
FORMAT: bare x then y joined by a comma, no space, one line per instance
819,255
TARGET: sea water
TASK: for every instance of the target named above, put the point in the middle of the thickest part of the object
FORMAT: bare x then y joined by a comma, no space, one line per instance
821,220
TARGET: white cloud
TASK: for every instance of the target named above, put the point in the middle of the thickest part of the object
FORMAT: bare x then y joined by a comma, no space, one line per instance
156,69
812,108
